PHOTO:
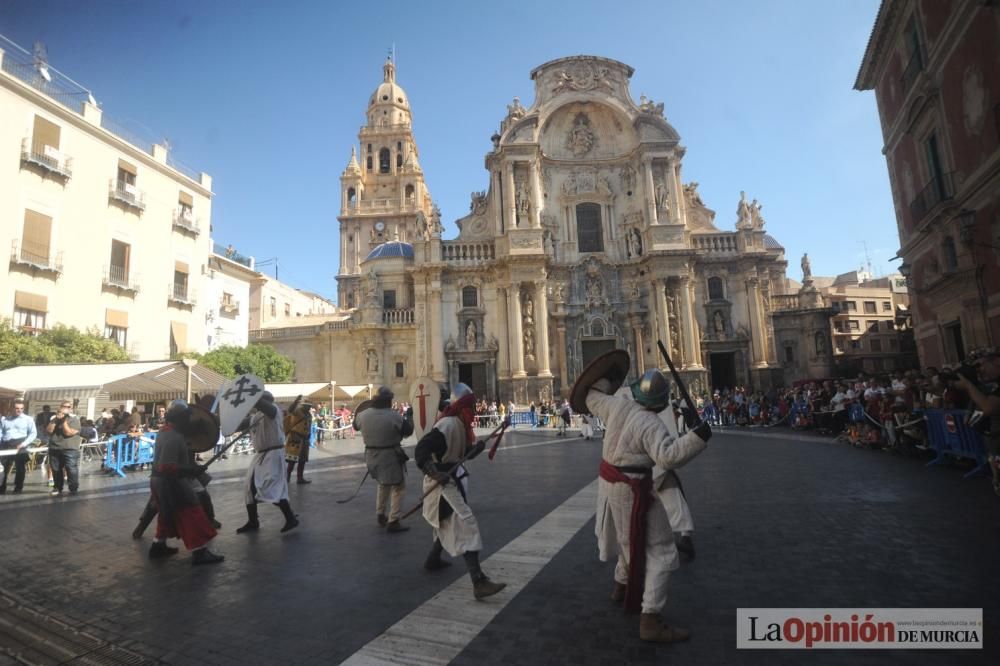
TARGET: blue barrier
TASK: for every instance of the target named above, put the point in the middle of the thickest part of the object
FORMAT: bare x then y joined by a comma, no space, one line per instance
949,435
126,451
520,418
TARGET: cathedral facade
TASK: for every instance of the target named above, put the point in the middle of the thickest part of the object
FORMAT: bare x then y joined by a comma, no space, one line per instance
584,239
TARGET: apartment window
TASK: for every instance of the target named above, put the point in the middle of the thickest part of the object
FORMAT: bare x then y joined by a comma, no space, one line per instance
45,140
835,306
30,311
227,299
180,280
876,344
949,255
389,299
839,326
178,337
36,238
839,346
715,289
870,307
185,206
409,193
886,306
126,176
274,307
856,345
288,309
470,297
853,325
849,306
873,327
119,269
384,160
400,370
588,228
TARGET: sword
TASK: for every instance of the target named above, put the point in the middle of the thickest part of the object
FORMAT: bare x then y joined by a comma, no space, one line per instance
497,432
680,382
363,479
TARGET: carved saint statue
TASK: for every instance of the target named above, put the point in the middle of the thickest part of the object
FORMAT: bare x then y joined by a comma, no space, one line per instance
522,201
470,335
693,198
720,323
423,230
529,343
743,212
514,110
371,288
528,311
820,343
806,268
581,138
662,198
628,176
756,219
372,361
635,243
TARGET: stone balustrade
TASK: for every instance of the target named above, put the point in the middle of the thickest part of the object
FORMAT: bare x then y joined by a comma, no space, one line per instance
724,243
468,253
784,302
398,316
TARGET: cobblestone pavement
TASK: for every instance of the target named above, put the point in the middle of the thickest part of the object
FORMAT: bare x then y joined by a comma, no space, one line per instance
780,522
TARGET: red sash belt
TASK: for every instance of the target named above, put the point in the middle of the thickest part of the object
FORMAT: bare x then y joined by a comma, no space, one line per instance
642,499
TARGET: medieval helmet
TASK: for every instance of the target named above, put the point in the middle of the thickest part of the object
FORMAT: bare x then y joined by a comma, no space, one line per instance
651,390
461,390
178,412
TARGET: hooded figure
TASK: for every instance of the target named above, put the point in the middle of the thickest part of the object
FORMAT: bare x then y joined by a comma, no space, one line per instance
440,454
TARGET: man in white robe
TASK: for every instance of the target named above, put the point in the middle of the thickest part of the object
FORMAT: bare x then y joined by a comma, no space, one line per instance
265,480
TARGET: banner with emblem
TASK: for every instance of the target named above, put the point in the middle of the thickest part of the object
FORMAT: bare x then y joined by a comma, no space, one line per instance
236,398
424,397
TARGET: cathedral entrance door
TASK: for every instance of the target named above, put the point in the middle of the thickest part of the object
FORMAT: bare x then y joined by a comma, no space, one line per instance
593,348
474,374
723,370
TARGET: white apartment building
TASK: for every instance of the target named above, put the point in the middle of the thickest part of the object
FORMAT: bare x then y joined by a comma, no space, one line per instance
105,231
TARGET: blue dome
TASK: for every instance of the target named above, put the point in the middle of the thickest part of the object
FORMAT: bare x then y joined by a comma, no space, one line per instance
771,243
391,249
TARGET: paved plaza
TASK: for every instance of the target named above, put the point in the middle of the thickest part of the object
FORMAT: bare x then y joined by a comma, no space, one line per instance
782,521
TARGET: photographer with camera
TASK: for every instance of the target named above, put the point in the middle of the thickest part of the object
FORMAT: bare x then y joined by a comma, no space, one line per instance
985,362
64,447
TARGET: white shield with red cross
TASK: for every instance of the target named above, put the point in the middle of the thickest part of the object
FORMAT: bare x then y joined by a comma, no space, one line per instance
425,394
236,398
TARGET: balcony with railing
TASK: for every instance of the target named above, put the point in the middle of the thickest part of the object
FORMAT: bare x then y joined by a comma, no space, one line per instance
468,253
35,256
46,158
940,189
185,221
231,254
397,316
126,194
117,277
724,243
179,293
229,307
781,302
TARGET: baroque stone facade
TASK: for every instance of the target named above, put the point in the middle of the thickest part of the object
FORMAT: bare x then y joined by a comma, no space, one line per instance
584,239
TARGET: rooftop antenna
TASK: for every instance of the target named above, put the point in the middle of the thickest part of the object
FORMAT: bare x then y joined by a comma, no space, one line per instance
41,60
868,259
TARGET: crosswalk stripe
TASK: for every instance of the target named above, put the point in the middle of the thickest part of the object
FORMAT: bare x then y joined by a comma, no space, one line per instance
437,631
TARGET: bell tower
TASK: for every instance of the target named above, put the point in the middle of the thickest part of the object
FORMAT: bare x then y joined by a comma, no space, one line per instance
382,187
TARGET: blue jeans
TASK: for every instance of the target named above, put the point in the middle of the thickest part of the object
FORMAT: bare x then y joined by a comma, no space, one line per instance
68,459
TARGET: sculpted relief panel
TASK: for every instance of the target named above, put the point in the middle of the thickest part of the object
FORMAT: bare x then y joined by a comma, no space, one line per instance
587,131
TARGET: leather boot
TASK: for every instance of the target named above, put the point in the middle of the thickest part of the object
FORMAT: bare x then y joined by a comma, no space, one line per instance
618,592
395,526
484,587
205,556
434,561
652,629
291,520
253,524
382,520
685,546
160,549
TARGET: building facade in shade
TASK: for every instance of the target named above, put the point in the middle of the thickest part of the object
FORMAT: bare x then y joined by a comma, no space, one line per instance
104,232
934,68
583,239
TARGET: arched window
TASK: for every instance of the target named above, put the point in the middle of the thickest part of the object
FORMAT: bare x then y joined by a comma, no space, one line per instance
950,256
350,300
352,196
715,289
409,193
399,160
384,157
588,228
470,298
368,163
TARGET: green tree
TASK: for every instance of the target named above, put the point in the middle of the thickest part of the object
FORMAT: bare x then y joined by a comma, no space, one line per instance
61,344
261,360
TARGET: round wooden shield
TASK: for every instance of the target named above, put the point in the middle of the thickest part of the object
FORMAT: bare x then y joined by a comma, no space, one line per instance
612,365
207,426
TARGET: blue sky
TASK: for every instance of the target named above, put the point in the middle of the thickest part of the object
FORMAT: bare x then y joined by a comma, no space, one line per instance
268,97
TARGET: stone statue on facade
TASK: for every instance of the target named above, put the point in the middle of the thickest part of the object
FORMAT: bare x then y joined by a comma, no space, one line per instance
806,267
515,111
635,243
720,323
595,291
743,214
470,336
372,361
522,202
692,197
478,204
436,228
529,343
628,175
648,106
662,198
581,139
371,288
756,219
528,311
675,341
423,230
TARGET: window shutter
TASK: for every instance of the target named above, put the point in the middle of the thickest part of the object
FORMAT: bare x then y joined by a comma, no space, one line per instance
37,233
45,134
179,332
116,318
186,199
25,301
181,267
126,166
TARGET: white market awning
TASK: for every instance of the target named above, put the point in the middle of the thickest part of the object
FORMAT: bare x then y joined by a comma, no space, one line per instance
144,381
353,390
288,392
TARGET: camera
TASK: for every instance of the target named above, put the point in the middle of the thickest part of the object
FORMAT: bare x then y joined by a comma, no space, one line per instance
963,370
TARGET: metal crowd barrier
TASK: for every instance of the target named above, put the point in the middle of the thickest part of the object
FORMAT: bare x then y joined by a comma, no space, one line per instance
949,435
126,451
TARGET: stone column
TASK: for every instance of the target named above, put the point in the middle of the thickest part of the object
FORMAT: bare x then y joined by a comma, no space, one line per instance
563,373
503,356
686,321
536,197
343,260
509,196
662,314
438,369
639,354
515,331
696,335
496,200
756,330
647,173
542,329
